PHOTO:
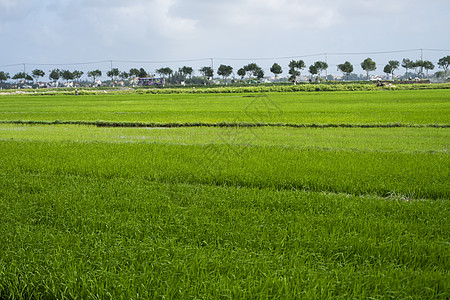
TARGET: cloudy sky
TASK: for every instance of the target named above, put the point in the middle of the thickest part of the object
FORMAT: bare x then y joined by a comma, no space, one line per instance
157,33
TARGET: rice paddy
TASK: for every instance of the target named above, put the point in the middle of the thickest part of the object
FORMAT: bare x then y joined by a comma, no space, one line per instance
226,212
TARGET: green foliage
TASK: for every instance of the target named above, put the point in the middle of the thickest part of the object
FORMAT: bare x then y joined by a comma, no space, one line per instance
143,73
241,72
394,65
4,76
124,75
276,69
320,66
55,74
207,72
387,69
419,66
20,75
67,75
313,70
113,73
186,71
134,73
346,68
255,70
164,71
37,73
368,65
428,65
407,64
294,69
224,71
444,63
94,74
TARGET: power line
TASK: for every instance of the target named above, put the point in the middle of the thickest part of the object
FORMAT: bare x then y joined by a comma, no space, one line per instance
70,64
160,61
326,54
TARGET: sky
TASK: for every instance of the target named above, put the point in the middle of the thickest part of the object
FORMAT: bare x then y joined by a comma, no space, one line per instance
89,34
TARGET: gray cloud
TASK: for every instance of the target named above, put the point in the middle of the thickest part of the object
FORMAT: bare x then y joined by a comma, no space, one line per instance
85,30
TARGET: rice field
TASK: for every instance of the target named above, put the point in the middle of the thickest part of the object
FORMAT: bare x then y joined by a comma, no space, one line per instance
367,107
226,212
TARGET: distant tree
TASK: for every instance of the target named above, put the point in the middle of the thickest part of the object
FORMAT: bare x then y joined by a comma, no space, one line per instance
294,73
186,71
295,67
54,75
142,73
346,68
241,72
368,65
113,73
439,74
224,71
320,66
259,73
67,75
313,70
251,69
20,75
133,73
37,74
444,63
94,74
418,65
169,72
276,70
124,75
394,64
428,65
408,65
388,70
4,76
77,75
207,72
177,77
164,72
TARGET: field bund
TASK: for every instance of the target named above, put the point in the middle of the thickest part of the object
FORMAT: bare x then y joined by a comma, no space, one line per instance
233,195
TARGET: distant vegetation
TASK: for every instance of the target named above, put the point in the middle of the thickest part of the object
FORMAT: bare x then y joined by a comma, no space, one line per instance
250,73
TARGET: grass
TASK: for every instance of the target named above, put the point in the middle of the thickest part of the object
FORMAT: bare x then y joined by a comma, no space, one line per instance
373,107
349,139
207,212
86,236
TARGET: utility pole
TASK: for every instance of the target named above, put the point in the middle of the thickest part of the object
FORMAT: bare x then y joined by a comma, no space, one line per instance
326,69
212,64
421,61
112,80
24,69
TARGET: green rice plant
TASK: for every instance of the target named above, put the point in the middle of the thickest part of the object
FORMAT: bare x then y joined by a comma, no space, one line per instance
370,107
413,175
331,195
397,139
89,236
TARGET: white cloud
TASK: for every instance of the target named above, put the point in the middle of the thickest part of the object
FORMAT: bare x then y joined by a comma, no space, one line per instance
86,30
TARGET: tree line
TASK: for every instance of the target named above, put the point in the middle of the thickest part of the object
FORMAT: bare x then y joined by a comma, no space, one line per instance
249,70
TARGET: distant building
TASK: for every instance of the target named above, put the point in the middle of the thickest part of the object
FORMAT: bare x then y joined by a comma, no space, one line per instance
151,81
